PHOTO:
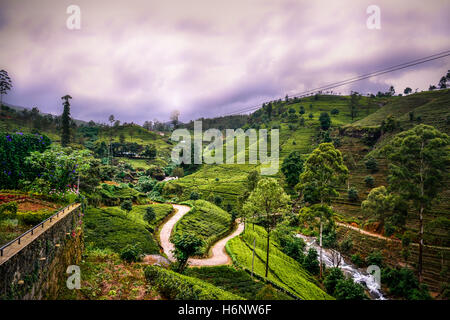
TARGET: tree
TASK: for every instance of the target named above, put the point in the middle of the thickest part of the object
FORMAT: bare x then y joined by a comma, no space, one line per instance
302,110
380,203
317,216
267,201
310,261
174,115
252,180
325,121
371,165
269,109
311,116
443,81
186,245
332,278
391,91
324,171
126,205
65,121
5,84
354,99
149,214
419,159
407,90
347,289
291,168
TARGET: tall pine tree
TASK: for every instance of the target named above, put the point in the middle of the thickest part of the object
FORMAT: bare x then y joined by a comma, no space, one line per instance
65,121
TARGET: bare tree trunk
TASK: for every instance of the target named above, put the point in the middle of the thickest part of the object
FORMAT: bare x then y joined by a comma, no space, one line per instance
253,258
268,249
320,242
419,265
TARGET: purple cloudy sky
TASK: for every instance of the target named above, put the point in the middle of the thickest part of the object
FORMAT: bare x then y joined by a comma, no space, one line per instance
139,60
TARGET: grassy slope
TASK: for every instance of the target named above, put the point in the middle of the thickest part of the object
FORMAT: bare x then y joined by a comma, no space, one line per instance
434,108
137,134
176,286
113,228
206,221
234,280
232,176
283,270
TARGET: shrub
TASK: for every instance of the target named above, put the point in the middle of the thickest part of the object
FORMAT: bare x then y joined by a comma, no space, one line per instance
371,165
332,278
325,121
311,116
131,253
334,112
32,218
357,260
145,184
347,289
310,262
126,205
352,194
346,245
389,229
403,283
8,210
194,196
375,258
369,181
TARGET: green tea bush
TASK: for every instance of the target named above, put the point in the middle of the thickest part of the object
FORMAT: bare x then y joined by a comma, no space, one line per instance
33,218
131,253
174,286
8,210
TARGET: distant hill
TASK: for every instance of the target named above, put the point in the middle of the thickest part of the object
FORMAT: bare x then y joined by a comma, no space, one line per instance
20,108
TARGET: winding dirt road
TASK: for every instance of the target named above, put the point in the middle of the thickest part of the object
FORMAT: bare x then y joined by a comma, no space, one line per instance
218,253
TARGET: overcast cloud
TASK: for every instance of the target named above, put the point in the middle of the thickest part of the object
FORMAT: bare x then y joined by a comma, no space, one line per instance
139,60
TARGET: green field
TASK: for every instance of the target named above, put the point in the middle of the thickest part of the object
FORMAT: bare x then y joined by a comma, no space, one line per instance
206,221
236,281
113,228
283,270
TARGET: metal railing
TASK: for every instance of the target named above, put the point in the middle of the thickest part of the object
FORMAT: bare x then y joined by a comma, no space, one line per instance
41,224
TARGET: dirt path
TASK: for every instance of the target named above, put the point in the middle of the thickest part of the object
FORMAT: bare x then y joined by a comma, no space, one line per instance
379,236
166,230
218,253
